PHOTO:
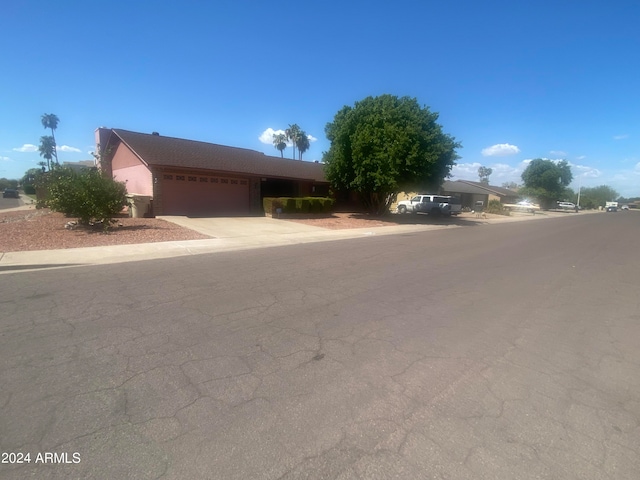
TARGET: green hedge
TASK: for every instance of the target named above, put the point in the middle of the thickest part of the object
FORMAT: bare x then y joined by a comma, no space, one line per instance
297,205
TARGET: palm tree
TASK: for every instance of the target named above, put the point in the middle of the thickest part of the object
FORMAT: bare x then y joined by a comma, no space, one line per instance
303,143
293,134
280,142
47,148
50,120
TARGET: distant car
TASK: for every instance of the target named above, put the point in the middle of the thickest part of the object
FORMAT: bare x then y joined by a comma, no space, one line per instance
624,207
612,209
523,206
566,206
10,193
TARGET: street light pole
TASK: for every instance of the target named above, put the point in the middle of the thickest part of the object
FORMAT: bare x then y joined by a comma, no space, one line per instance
579,187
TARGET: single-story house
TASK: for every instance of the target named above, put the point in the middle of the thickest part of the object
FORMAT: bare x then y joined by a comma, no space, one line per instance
80,166
470,192
187,177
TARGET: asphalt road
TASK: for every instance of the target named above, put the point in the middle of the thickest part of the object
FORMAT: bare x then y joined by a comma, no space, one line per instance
493,352
11,202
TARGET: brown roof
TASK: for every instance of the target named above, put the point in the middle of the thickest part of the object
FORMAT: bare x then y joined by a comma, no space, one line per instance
467,186
161,151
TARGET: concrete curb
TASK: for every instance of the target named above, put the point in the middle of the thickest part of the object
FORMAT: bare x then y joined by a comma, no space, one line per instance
241,240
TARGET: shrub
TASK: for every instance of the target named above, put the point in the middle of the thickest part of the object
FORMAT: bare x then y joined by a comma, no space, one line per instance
496,207
298,205
88,195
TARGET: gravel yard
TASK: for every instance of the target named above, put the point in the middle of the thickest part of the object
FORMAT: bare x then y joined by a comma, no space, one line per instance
27,230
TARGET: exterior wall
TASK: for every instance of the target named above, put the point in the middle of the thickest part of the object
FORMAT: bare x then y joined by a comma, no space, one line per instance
128,168
137,178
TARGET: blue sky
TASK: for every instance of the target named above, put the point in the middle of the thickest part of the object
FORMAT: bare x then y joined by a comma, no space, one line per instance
511,80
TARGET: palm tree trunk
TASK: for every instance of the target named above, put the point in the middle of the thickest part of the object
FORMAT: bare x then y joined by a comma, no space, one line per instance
55,147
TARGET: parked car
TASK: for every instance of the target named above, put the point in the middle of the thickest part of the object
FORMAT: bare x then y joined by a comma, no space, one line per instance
10,193
612,208
624,207
566,206
523,206
431,204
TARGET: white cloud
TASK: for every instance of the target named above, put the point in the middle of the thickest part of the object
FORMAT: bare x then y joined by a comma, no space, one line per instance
67,148
581,157
502,173
620,137
466,171
5,159
558,153
27,147
585,171
267,136
312,138
500,150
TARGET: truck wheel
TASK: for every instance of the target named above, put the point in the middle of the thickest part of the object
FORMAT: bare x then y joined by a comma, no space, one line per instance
402,209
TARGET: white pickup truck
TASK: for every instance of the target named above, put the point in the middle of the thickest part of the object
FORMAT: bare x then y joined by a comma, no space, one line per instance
431,204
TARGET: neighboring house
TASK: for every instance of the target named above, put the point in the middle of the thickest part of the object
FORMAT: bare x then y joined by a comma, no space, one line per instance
80,166
468,192
471,192
187,177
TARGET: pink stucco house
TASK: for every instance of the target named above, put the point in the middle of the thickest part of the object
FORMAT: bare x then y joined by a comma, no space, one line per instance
187,177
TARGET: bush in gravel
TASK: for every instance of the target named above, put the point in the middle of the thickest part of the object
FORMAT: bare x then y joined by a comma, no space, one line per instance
88,195
496,208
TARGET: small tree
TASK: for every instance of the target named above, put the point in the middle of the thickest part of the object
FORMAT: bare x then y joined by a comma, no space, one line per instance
47,149
50,120
88,195
30,179
280,142
484,173
302,143
293,135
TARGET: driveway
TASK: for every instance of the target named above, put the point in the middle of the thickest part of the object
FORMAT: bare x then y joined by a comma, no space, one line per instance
236,227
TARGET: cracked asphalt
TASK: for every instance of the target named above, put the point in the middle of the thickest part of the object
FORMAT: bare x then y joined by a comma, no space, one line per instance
503,351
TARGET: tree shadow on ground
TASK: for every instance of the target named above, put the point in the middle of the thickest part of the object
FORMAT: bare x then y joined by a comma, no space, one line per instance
420,219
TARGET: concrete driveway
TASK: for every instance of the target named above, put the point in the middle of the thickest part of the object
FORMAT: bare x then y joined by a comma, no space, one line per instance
236,227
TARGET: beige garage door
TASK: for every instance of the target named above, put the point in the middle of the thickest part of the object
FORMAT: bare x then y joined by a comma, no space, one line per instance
198,195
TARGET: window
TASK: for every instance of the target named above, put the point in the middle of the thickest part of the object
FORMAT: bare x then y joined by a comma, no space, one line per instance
204,179
179,177
192,179
167,177
224,180
214,180
234,182
243,182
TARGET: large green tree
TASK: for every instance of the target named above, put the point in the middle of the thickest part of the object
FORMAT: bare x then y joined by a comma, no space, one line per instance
384,145
546,180
50,120
594,197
